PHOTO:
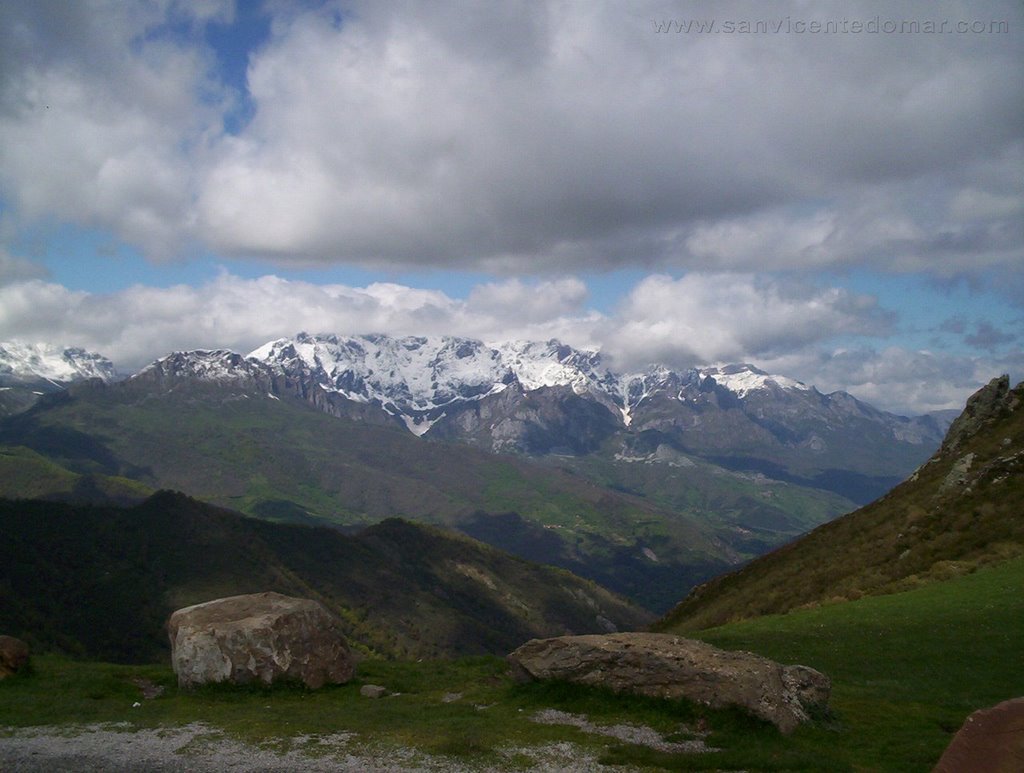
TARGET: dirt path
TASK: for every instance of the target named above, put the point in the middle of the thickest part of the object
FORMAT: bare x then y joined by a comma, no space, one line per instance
200,749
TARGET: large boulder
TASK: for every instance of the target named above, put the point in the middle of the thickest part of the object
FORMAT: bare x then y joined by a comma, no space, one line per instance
262,636
13,656
991,740
667,666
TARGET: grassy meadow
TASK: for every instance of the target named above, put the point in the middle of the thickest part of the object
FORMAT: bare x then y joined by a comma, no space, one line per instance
906,670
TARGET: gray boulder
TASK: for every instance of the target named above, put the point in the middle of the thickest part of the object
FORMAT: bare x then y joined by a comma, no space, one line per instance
667,666
262,637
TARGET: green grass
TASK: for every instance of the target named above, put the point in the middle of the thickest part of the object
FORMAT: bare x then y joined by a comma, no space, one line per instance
491,713
906,669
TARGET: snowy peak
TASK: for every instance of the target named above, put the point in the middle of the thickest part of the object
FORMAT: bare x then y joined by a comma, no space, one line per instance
218,365
417,377
741,380
423,380
637,388
412,374
24,362
552,363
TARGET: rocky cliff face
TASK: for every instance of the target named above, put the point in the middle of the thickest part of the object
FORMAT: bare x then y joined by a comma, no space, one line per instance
984,408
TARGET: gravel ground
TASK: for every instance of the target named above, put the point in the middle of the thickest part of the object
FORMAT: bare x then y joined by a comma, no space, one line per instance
635,734
203,749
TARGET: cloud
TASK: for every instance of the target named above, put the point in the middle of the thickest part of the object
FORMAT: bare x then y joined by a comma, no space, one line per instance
540,140
696,319
542,137
533,301
897,378
699,319
141,323
103,121
989,338
707,318
13,269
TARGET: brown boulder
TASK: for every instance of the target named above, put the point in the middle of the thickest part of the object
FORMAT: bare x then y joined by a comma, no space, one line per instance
667,666
990,741
262,636
13,656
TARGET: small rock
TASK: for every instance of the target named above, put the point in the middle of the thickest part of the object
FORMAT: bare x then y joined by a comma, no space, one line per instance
451,697
13,656
373,691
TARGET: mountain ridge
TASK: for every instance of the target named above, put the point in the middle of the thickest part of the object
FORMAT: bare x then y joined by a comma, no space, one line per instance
281,459
548,398
62,364
474,369
101,581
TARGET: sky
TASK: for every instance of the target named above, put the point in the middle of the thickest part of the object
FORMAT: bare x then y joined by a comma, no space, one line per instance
829,191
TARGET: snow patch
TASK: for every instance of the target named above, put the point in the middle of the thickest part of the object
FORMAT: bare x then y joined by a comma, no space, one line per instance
744,379
419,425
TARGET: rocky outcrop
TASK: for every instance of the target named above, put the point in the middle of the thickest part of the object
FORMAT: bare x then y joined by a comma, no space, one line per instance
667,666
13,656
983,407
262,637
990,740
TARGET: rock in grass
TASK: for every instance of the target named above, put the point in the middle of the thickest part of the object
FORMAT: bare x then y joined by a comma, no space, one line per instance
667,666
263,637
13,656
373,691
990,740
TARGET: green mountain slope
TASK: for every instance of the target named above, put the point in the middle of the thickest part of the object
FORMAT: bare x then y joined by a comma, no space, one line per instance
101,581
281,459
751,512
962,509
906,668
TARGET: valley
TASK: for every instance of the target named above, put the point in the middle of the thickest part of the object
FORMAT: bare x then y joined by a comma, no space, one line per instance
884,600
647,483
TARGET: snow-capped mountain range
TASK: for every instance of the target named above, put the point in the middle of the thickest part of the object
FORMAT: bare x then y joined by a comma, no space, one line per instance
418,380
546,398
422,377
23,363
